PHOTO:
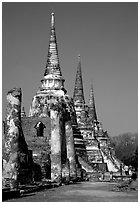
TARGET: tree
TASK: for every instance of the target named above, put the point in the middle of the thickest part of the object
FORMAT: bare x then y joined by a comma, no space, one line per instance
134,160
126,148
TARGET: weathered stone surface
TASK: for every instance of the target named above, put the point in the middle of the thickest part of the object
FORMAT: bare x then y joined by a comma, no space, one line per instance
65,109
56,167
15,149
70,149
40,145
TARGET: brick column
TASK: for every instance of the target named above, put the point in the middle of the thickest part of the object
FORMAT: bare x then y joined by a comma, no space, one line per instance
14,142
70,150
56,168
64,160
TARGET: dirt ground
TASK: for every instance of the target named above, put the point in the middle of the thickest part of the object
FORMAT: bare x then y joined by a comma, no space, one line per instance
80,192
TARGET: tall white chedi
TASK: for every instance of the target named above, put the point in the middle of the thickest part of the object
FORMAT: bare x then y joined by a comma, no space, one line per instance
52,83
52,101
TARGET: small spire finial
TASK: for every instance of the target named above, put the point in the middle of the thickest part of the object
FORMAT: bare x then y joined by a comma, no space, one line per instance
79,57
52,19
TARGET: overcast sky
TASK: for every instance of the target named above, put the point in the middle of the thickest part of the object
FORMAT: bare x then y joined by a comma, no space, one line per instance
104,34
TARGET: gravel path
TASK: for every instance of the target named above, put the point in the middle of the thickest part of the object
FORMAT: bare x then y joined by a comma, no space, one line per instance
80,192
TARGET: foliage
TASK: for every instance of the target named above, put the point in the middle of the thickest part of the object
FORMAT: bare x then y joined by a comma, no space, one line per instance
126,148
134,160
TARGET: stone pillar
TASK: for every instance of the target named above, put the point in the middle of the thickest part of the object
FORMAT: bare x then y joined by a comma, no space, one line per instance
56,168
70,150
64,160
14,142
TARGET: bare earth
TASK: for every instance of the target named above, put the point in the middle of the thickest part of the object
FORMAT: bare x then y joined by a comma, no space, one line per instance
81,192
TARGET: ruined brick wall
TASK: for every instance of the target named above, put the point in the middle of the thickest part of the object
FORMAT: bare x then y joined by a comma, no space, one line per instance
34,142
40,145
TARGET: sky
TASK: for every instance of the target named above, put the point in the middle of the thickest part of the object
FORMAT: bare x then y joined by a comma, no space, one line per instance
104,34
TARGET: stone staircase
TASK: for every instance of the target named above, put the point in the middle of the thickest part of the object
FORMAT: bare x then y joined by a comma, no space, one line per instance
85,165
111,163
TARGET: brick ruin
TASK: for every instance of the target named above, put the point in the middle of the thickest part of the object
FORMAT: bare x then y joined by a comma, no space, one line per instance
61,136
16,156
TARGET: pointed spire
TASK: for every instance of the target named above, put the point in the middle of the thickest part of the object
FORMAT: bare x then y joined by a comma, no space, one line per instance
52,66
92,108
78,90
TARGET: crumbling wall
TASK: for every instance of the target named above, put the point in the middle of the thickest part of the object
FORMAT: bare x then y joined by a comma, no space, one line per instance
15,150
57,108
